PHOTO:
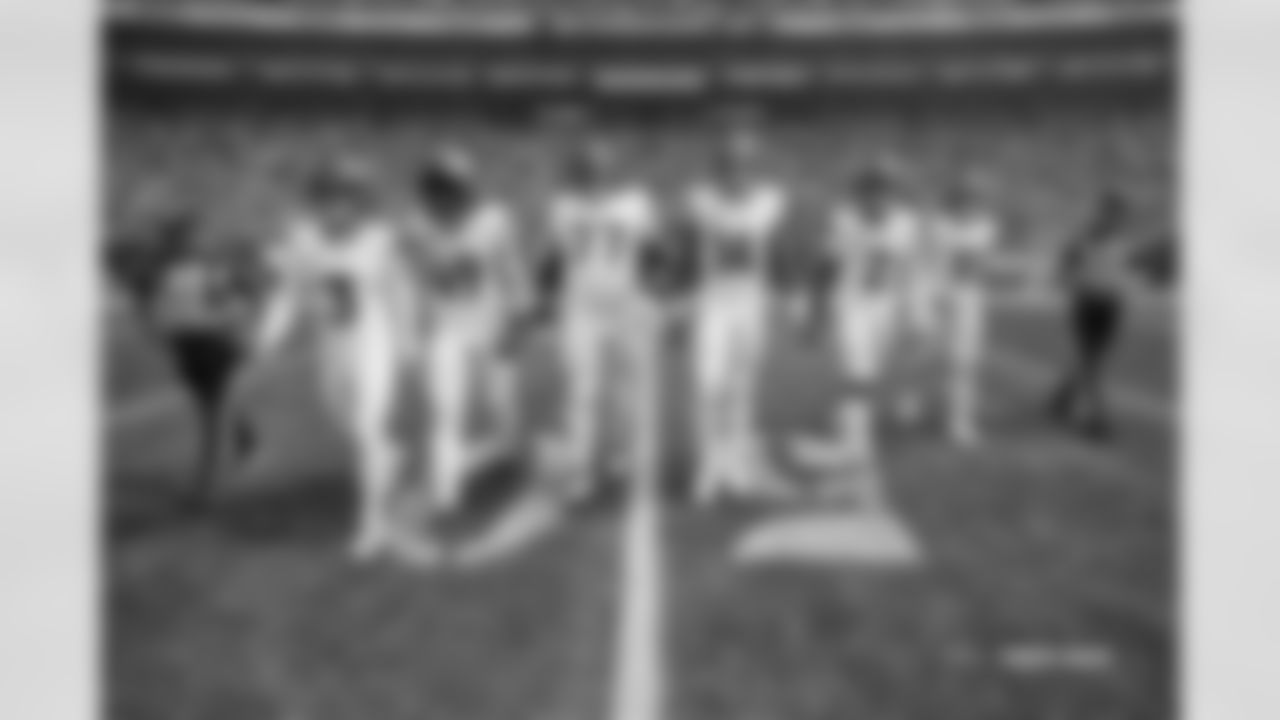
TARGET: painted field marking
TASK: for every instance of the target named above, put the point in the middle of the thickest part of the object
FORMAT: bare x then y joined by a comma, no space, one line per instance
638,691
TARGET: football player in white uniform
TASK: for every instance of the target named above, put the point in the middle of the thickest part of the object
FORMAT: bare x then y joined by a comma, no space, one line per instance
870,239
964,235
733,218
466,258
339,266
603,229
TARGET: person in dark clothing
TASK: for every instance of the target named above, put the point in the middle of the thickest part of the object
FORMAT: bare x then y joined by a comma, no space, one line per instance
1095,273
194,302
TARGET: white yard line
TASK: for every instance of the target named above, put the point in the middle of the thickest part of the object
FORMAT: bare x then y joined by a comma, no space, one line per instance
638,683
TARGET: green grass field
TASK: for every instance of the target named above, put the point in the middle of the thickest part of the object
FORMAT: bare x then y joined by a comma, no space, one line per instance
252,611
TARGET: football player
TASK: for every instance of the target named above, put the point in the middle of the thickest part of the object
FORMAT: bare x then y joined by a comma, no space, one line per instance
733,217
963,234
340,265
871,238
466,257
604,229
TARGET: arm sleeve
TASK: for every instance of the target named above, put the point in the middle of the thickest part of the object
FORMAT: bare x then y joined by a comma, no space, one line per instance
403,294
509,263
284,299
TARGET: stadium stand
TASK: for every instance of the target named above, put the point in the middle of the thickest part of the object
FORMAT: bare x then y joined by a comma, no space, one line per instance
1044,165
641,11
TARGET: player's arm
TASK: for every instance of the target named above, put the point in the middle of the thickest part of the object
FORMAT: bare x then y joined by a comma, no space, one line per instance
286,263
509,268
405,295
415,249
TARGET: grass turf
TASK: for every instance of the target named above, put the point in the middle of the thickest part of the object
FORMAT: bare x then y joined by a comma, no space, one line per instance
252,612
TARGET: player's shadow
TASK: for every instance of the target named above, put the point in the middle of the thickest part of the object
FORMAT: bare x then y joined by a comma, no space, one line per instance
492,489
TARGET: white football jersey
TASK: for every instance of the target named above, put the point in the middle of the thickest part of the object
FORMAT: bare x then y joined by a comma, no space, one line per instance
874,254
354,274
960,241
734,229
602,236
459,262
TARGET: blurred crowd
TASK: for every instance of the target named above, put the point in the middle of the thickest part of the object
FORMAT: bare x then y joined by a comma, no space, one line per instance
645,6
1043,167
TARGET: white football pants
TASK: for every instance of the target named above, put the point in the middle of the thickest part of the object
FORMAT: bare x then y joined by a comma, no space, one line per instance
730,333
360,373
610,347
461,359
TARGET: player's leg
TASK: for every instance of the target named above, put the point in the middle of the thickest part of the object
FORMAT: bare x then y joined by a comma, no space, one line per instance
500,383
966,350
1089,334
907,327
206,361
713,360
865,331
236,429
360,376
861,324
1065,402
749,333
583,332
1098,326
641,347
450,375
